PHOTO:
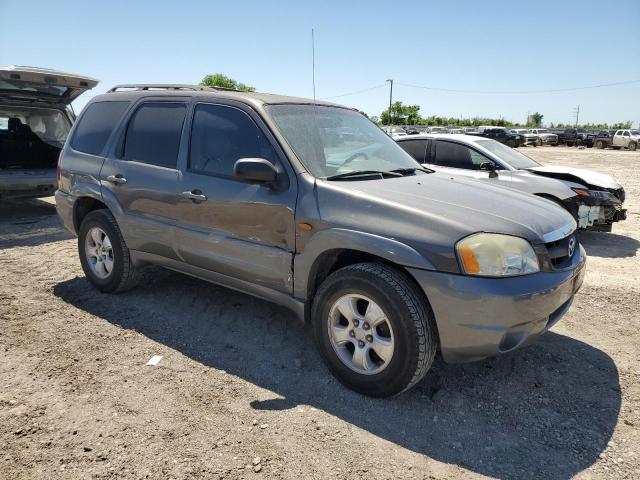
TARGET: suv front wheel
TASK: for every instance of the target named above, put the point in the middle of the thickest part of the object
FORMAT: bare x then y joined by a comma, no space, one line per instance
374,329
104,255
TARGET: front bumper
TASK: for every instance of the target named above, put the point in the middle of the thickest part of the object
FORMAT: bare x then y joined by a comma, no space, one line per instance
481,317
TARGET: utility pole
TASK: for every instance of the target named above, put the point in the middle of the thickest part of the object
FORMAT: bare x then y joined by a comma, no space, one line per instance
577,114
390,100
528,117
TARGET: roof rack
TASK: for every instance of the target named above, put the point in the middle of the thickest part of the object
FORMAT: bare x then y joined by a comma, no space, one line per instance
164,86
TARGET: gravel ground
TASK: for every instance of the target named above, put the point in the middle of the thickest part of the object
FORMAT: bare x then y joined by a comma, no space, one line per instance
241,393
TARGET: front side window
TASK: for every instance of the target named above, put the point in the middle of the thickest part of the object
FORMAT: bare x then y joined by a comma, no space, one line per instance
455,155
95,126
153,134
508,155
626,134
333,140
221,136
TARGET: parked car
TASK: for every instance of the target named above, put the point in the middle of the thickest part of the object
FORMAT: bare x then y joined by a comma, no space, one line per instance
595,200
456,130
394,131
434,129
35,119
618,139
576,137
545,137
388,261
528,138
501,134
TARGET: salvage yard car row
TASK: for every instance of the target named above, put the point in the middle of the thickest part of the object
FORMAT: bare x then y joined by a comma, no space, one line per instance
391,256
536,137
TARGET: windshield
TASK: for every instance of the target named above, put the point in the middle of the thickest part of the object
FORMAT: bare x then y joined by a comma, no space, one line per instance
542,130
49,125
331,140
508,155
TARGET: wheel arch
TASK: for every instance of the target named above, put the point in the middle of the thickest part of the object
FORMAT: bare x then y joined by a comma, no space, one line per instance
332,249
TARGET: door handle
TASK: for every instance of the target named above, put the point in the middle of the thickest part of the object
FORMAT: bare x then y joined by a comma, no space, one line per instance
195,195
117,179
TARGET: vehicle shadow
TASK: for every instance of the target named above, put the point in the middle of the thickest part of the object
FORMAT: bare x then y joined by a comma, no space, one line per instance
546,411
608,245
29,222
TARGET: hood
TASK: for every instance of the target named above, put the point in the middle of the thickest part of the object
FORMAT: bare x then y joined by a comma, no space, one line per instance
586,177
41,86
438,209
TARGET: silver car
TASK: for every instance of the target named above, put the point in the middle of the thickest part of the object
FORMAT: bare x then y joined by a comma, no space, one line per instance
594,199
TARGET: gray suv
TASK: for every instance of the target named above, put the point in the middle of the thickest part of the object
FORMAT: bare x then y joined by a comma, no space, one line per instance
312,206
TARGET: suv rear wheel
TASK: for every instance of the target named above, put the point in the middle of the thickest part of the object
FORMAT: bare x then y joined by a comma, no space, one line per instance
374,329
633,146
104,255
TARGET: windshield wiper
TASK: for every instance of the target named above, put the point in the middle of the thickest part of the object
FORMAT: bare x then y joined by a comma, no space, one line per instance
405,171
359,173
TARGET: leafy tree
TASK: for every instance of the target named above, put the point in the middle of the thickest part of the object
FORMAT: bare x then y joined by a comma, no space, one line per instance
220,80
535,120
401,114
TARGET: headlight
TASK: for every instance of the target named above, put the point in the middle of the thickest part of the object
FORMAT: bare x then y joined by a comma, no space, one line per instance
496,255
583,192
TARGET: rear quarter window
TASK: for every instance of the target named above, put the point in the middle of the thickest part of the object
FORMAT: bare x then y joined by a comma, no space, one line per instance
96,125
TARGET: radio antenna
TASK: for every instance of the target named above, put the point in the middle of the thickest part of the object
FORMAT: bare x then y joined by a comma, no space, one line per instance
313,65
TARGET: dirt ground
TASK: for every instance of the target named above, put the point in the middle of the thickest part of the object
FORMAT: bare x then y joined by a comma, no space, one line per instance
241,393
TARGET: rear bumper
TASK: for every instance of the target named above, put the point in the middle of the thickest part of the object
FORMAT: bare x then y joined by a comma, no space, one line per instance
64,207
482,317
27,183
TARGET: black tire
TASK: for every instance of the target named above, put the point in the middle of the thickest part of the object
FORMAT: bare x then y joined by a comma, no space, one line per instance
569,144
124,275
511,143
600,144
633,146
539,142
412,322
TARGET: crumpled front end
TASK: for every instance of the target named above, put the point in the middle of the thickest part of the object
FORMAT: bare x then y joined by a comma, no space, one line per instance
597,209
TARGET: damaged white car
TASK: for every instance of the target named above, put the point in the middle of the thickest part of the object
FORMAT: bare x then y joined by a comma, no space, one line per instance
594,199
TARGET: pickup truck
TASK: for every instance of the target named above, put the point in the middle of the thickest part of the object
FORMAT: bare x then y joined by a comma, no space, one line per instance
618,139
35,119
499,134
577,137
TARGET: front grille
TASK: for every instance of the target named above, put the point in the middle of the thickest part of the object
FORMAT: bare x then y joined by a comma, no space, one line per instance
559,251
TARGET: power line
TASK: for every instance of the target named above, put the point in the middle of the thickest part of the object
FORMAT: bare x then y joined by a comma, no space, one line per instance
356,92
507,92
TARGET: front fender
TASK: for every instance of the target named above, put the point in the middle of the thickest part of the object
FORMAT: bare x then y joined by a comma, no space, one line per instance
340,239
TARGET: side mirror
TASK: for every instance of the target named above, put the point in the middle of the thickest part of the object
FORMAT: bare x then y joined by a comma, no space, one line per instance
256,170
489,167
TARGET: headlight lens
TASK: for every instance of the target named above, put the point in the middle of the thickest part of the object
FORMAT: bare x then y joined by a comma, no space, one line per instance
583,192
496,255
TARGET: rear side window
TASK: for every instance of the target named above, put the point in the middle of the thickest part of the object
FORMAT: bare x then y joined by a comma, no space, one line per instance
221,136
415,148
153,134
95,126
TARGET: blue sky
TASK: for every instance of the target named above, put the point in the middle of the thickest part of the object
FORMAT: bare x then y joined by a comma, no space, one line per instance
497,46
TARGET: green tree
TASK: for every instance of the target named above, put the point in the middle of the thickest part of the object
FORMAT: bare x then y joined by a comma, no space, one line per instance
220,80
535,120
401,115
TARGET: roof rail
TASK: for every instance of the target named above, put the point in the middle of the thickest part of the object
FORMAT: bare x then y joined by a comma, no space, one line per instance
164,86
